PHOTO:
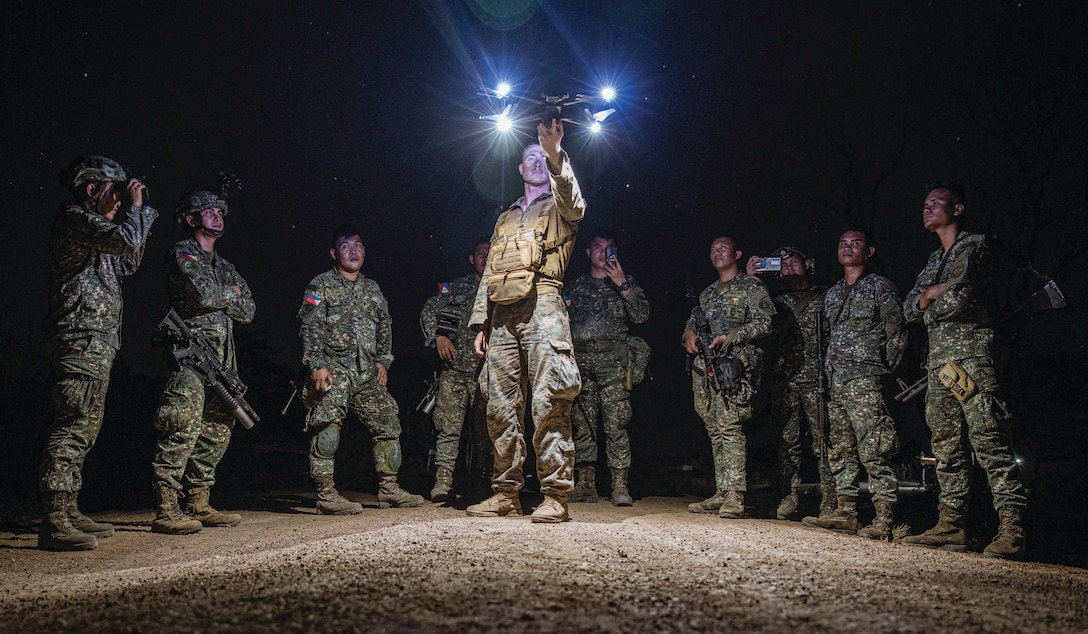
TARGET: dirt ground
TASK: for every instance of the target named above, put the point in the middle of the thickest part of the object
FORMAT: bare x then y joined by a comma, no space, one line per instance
650,567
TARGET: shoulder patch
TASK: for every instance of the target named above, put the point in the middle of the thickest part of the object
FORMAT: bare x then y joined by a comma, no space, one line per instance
188,255
312,298
443,288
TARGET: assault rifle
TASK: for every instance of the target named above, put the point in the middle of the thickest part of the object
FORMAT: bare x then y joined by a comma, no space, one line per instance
296,389
427,403
821,384
191,349
724,370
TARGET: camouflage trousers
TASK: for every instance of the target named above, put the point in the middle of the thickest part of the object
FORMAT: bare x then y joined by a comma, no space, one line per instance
862,429
787,402
194,432
529,349
362,395
457,393
724,422
979,425
604,394
81,369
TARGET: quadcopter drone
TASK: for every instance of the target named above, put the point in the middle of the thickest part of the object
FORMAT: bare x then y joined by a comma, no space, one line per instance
553,107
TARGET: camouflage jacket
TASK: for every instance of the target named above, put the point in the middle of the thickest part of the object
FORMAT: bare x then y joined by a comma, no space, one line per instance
347,322
795,335
599,312
743,305
201,289
455,297
959,322
564,207
88,255
868,335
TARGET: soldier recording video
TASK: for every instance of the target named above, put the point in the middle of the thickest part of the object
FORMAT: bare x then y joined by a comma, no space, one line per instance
795,373
602,304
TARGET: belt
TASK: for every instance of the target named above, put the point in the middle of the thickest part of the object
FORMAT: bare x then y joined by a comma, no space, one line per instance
596,346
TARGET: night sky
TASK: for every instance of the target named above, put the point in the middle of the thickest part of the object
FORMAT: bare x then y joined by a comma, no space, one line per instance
781,123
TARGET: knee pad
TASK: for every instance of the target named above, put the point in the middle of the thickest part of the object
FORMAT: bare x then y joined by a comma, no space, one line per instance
387,457
326,441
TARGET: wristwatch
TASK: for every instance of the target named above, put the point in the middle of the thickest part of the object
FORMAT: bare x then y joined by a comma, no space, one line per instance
626,286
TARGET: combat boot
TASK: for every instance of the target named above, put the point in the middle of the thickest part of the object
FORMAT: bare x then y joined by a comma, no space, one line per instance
586,488
552,510
709,505
828,500
329,500
57,531
620,495
787,508
948,534
498,505
733,506
170,520
84,523
881,528
443,482
390,494
1009,541
198,508
843,520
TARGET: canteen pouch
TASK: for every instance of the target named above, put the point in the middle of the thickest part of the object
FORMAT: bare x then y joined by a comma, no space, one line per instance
955,378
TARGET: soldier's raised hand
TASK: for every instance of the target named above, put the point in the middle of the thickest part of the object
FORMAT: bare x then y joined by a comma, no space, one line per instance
550,137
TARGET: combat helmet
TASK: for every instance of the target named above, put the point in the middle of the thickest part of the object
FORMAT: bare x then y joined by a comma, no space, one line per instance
92,169
197,201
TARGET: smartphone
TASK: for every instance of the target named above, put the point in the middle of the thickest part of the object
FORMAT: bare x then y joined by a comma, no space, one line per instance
610,253
767,265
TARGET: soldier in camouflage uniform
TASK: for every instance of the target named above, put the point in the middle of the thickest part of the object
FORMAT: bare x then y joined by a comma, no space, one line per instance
347,346
868,338
601,304
524,332
89,253
793,377
952,296
458,382
194,424
739,310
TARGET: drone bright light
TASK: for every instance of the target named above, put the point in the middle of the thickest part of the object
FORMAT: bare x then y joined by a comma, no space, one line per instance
553,104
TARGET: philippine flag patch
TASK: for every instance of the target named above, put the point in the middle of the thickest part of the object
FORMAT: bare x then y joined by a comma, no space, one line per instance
188,255
312,299
443,287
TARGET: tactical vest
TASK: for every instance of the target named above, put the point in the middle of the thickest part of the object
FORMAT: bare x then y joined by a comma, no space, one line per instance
519,256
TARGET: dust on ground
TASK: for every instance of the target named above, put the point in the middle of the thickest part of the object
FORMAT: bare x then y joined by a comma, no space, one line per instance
650,567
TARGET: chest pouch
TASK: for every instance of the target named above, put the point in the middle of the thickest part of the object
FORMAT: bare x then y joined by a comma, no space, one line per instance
449,321
514,266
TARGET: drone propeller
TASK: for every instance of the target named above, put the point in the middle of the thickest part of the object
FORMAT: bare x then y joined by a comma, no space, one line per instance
598,117
505,114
